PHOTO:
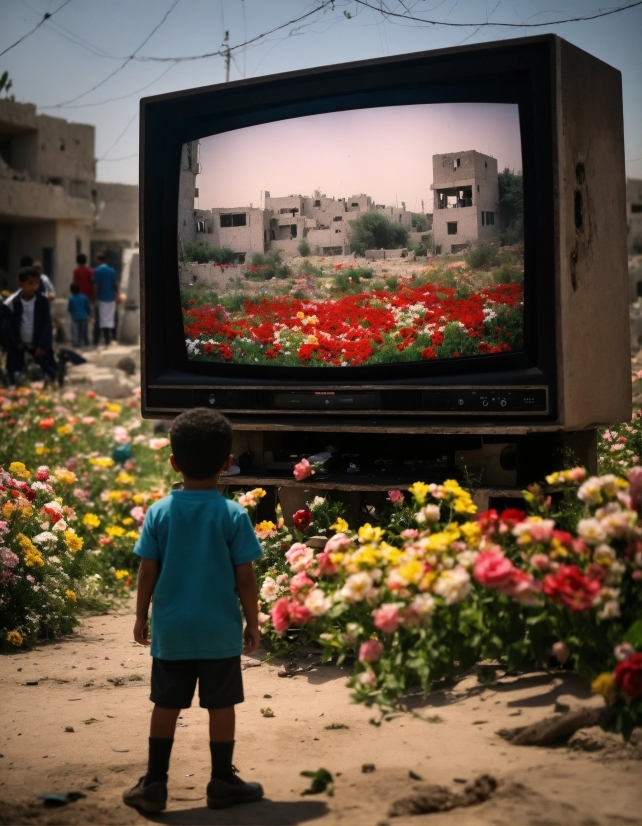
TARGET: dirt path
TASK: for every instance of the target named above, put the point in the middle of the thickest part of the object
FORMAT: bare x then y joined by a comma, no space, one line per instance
97,683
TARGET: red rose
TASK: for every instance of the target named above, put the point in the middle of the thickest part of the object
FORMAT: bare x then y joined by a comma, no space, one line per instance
302,519
511,516
628,676
571,587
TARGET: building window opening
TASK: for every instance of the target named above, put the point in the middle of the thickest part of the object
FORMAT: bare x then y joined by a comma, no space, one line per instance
456,164
451,227
240,258
293,231
196,192
234,219
483,216
485,165
490,219
317,204
354,204
477,187
338,230
337,218
200,226
636,208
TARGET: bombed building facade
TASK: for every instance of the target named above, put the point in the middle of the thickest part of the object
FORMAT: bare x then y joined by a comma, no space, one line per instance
51,206
280,224
466,198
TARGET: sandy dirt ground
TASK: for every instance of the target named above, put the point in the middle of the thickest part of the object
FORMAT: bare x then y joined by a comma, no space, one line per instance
84,727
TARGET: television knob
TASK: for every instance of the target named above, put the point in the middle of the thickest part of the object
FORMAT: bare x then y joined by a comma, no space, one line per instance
212,400
327,401
485,403
460,401
502,403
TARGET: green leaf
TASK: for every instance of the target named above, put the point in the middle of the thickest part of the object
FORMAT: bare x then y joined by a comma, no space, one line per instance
634,635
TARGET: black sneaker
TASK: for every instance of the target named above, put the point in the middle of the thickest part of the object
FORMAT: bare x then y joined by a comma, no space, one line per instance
150,798
224,793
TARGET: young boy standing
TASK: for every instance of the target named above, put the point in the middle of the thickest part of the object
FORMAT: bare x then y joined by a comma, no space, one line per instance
79,309
31,328
197,549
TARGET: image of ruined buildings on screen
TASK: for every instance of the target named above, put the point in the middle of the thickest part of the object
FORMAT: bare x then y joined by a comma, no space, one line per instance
312,280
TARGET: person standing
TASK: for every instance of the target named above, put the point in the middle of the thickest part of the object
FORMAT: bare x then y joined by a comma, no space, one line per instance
30,327
106,286
79,309
83,276
46,288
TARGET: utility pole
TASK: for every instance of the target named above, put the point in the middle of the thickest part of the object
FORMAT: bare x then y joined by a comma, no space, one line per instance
228,55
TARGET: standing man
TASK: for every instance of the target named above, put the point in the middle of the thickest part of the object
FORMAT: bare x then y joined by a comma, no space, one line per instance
46,287
106,296
84,276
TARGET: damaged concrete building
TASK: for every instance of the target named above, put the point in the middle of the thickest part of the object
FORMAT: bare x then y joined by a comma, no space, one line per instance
51,206
281,224
466,198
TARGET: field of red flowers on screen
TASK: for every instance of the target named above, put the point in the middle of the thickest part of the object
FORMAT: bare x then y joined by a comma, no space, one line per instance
409,323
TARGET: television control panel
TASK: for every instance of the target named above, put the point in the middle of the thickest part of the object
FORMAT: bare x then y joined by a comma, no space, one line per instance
466,401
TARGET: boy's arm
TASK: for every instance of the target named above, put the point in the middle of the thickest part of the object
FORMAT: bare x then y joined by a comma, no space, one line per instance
147,576
248,594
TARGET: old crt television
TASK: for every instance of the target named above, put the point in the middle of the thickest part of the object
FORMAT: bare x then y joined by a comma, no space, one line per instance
433,237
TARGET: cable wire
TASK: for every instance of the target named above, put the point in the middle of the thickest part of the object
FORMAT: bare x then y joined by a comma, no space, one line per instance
47,16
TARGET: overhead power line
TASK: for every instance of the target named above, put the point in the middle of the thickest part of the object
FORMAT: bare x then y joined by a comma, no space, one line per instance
122,65
381,9
46,17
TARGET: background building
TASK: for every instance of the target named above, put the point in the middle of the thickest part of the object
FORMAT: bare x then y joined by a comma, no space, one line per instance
634,215
466,198
51,206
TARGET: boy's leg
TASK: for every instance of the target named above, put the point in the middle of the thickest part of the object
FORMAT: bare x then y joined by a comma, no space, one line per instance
75,337
84,333
161,740
222,724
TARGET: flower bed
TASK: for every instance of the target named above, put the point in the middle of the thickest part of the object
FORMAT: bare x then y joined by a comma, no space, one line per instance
409,323
441,588
79,473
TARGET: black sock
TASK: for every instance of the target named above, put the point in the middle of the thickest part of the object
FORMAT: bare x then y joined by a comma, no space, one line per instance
222,760
160,749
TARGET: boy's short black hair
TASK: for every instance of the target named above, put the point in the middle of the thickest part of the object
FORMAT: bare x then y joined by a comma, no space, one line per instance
26,273
201,442
75,288
81,259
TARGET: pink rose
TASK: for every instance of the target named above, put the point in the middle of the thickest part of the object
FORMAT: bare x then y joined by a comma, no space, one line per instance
302,470
299,614
541,531
138,514
635,487
387,618
395,496
577,474
521,587
299,582
338,542
540,561
492,569
299,556
561,652
280,613
42,474
370,651
410,533
324,564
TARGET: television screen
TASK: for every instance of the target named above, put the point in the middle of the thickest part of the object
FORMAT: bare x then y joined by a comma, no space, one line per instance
354,238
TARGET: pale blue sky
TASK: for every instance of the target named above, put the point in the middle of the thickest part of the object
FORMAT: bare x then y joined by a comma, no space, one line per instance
48,68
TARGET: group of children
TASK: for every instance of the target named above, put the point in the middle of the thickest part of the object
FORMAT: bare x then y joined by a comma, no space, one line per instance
25,317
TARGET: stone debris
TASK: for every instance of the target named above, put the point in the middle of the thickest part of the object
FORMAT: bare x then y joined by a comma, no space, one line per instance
441,799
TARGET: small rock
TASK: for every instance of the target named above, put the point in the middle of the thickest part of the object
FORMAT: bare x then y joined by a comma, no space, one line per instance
69,729
368,768
31,682
267,696
414,776
459,780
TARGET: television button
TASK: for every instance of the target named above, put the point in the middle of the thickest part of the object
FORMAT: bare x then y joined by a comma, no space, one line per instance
460,401
212,400
485,403
502,403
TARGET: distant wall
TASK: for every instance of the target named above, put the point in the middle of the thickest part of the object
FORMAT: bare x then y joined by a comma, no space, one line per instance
378,255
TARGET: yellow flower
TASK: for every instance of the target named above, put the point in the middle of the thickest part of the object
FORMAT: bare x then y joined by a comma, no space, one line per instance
312,340
91,521
121,574
15,638
369,534
366,557
74,542
138,499
411,572
266,526
420,491
26,511
340,526
64,430
18,469
101,461
257,493
7,509
65,475
113,407
471,532
32,555
115,530
127,520
125,479
300,315
132,534
41,450
71,596
438,542
604,684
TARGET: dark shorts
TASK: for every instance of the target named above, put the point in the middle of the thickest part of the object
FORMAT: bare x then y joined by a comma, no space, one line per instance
220,684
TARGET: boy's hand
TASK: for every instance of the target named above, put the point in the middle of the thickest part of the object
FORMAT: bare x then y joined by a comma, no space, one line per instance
251,639
141,630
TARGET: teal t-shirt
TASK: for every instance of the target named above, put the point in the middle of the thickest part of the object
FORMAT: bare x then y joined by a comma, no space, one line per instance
198,536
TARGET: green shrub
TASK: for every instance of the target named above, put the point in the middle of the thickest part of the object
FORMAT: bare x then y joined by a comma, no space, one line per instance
508,275
303,248
482,257
265,267
201,253
372,230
